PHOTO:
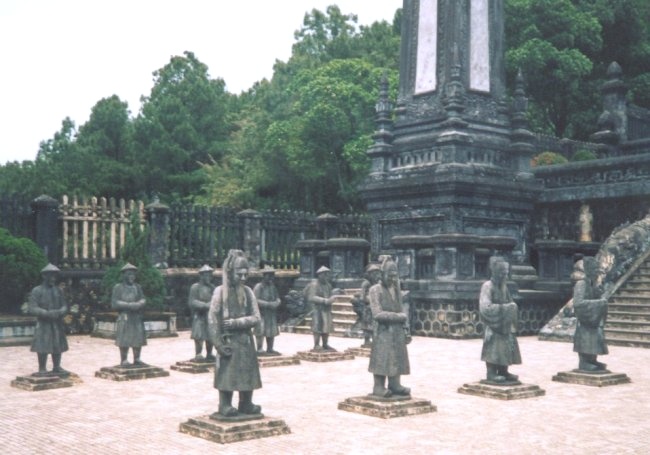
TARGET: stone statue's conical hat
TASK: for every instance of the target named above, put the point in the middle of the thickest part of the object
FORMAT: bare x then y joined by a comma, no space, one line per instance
128,266
268,269
206,268
50,268
322,269
373,268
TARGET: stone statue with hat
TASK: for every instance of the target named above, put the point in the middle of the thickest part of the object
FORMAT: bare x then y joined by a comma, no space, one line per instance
232,317
318,295
268,301
129,300
199,303
361,304
388,355
47,303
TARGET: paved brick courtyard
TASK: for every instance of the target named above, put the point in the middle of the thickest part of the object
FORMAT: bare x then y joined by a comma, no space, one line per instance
102,417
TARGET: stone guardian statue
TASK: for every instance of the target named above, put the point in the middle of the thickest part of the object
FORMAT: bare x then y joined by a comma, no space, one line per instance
318,294
199,303
591,312
499,313
47,303
391,333
268,302
129,300
232,317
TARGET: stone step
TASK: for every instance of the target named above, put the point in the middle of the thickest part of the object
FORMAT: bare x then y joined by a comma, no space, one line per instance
622,341
630,292
344,316
627,316
626,324
627,334
635,307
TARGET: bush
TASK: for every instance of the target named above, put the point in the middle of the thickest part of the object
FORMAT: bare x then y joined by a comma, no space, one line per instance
583,155
547,159
148,277
21,261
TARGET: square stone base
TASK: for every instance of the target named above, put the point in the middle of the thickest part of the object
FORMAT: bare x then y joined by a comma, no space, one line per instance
278,361
324,356
51,381
193,366
223,432
502,392
359,352
130,373
387,408
601,379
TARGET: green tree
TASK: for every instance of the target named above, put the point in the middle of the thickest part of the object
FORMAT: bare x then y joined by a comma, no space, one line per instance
183,122
20,264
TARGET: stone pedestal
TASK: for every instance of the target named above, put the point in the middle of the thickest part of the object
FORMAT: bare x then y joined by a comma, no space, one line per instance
324,356
194,366
277,360
387,408
599,379
508,391
34,383
359,352
131,373
212,428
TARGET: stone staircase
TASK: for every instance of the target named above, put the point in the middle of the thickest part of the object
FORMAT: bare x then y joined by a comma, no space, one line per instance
343,315
628,319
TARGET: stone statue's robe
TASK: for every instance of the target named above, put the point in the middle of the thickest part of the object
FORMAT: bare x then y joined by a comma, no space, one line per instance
240,370
49,306
268,302
317,295
199,303
499,314
591,314
388,355
127,299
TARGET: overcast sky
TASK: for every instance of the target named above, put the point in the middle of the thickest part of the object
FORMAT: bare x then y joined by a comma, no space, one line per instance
60,57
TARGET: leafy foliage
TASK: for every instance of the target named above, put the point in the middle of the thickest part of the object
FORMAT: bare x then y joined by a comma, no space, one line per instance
583,155
21,261
548,159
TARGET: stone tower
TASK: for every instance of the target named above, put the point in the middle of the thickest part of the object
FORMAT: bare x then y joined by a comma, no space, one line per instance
450,182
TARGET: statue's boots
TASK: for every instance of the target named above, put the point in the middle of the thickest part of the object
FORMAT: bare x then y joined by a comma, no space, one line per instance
56,360
246,405
493,373
225,404
585,363
503,371
379,389
326,345
209,356
269,346
259,341
136,357
396,388
124,352
42,364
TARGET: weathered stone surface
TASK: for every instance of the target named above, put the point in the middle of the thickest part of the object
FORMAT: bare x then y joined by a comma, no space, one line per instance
324,356
502,392
387,408
277,361
120,373
51,381
599,379
359,352
193,366
214,430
